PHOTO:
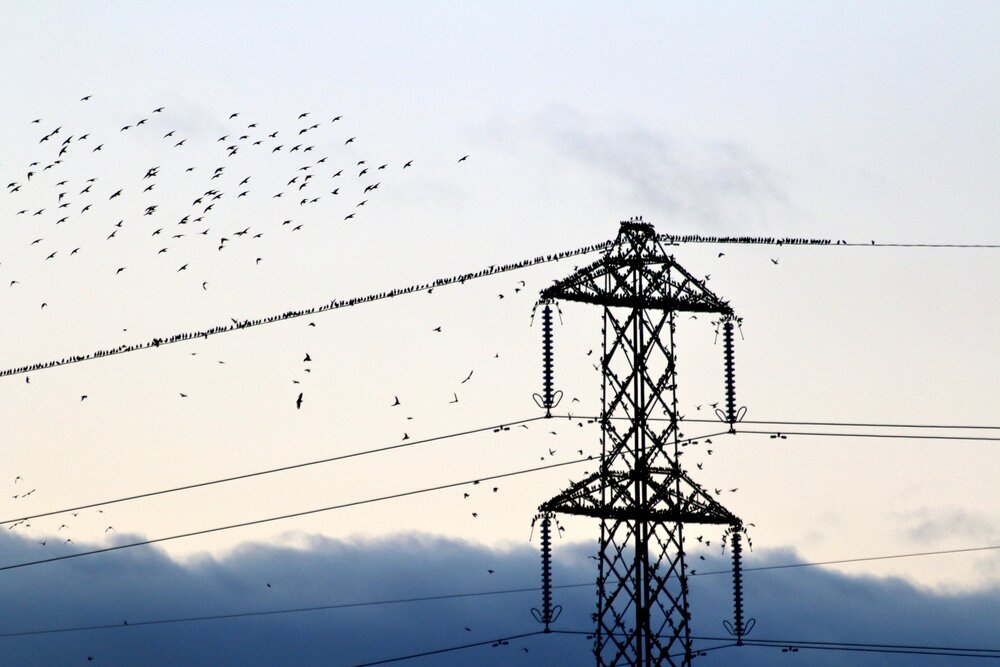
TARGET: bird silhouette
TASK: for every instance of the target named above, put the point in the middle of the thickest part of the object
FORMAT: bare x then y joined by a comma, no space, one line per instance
298,402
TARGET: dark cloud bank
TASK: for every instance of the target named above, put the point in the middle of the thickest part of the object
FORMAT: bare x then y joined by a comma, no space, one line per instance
144,584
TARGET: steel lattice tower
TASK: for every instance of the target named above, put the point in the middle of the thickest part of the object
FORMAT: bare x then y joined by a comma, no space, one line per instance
640,493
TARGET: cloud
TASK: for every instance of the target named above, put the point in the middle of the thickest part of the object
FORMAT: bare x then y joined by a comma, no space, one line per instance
927,525
144,584
710,183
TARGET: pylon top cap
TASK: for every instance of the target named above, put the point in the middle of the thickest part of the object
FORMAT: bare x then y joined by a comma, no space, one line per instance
636,272
636,225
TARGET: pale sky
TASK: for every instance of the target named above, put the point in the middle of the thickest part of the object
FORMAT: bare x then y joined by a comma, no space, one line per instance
853,121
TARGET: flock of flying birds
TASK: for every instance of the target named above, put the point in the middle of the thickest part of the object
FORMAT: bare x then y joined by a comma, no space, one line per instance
20,492
78,193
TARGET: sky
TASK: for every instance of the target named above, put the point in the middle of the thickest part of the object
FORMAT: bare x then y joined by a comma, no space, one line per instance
855,121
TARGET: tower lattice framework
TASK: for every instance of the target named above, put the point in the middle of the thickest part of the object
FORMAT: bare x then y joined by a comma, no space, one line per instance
640,493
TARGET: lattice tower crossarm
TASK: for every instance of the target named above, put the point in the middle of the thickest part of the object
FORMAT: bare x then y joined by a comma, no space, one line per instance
640,493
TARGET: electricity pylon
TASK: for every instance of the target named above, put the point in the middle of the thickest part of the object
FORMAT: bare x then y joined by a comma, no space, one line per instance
641,494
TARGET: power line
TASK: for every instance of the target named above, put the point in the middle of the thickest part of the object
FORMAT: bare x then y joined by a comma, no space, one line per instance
903,436
260,473
492,642
930,245
335,304
293,515
443,596
271,612
442,282
497,642
960,653
699,651
842,561
956,427
859,645
840,646
798,241
897,436
300,514
303,513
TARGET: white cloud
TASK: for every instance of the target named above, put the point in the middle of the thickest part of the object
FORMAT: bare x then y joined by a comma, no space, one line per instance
662,174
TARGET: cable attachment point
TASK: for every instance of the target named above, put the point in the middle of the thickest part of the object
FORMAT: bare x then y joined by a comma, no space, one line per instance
549,398
547,614
738,628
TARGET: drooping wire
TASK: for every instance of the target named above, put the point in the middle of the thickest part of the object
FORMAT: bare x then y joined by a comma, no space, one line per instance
255,522
791,645
495,643
293,515
956,427
270,471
